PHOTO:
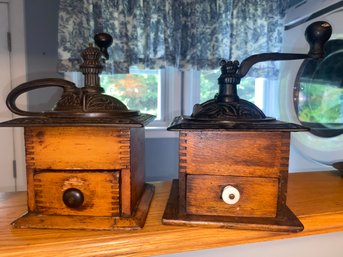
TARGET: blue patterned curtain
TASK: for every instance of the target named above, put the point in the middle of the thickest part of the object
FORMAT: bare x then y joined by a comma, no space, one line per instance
181,33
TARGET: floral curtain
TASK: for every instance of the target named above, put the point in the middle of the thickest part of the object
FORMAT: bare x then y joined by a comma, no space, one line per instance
181,33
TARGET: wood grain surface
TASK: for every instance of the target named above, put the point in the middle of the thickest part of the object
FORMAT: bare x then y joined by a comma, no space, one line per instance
100,190
254,162
77,147
258,196
316,198
58,158
226,153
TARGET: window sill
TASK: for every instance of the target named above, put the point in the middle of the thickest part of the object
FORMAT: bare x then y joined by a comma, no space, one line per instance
160,132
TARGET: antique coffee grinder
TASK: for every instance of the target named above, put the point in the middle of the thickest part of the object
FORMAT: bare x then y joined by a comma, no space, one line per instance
85,158
233,160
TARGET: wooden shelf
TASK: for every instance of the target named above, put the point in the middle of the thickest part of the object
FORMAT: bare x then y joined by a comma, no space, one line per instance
315,197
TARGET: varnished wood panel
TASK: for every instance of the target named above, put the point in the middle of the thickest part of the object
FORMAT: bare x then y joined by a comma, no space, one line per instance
239,153
100,190
182,173
258,196
76,147
182,192
283,180
94,222
125,164
316,198
137,164
285,222
79,148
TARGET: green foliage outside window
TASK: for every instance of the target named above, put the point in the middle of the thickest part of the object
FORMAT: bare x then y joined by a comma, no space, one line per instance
138,92
209,86
320,103
317,103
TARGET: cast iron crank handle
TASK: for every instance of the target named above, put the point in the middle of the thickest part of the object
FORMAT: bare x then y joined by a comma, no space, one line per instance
316,34
103,41
35,84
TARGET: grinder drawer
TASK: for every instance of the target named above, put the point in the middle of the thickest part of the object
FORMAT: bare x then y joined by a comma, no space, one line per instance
231,196
92,193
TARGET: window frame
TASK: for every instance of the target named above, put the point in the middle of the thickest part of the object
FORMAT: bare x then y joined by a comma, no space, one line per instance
180,90
268,95
170,100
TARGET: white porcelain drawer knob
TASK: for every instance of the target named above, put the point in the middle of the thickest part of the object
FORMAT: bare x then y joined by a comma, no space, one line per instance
230,195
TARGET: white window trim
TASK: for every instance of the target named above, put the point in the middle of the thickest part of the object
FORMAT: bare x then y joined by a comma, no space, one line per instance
18,76
190,90
171,104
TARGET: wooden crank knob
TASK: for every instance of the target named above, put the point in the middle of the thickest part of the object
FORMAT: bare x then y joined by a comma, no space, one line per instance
73,198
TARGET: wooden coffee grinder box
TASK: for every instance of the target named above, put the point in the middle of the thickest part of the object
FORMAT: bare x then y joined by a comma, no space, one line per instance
233,160
85,158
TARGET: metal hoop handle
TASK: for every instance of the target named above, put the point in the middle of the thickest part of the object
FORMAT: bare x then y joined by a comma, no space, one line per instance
35,84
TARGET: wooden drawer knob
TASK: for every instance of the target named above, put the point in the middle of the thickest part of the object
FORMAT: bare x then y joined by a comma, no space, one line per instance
73,198
230,195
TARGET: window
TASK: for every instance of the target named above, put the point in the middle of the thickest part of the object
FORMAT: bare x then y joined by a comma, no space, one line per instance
248,88
318,92
139,90
168,92
157,92
200,86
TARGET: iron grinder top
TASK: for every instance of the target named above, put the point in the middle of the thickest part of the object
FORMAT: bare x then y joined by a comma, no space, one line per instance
78,106
227,111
